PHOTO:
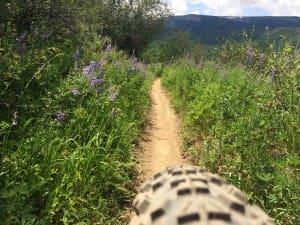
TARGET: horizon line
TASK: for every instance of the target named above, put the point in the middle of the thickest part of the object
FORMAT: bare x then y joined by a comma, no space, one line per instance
193,14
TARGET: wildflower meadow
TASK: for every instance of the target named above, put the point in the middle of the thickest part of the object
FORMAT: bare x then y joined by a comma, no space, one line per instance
66,140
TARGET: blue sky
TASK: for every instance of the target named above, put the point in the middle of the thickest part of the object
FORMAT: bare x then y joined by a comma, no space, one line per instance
235,7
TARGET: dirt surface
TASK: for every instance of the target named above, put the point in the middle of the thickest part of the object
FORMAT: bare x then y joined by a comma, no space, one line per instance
161,145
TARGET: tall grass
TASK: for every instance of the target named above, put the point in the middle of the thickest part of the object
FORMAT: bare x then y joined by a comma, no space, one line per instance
242,119
67,129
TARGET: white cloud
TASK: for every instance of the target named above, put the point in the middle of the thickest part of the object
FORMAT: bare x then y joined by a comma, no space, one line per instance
281,7
236,7
195,12
179,7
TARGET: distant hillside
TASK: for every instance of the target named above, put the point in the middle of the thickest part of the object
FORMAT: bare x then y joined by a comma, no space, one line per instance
213,29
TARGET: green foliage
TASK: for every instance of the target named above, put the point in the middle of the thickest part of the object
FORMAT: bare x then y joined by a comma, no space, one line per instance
54,19
132,24
71,107
171,47
247,121
67,133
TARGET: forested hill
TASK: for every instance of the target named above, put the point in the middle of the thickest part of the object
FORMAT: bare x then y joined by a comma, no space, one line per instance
214,29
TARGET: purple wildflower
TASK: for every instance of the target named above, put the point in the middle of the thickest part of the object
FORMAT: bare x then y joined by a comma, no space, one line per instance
110,90
75,92
20,43
113,96
46,36
95,81
93,64
60,116
99,63
135,68
22,38
86,70
77,55
134,59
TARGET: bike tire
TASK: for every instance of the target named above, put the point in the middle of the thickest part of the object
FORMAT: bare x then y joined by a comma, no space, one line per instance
189,195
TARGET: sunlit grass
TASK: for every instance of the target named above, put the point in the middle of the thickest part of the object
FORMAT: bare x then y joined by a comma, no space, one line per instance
241,119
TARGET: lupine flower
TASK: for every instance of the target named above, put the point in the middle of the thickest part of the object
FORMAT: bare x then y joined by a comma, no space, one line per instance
113,96
110,90
77,55
86,70
60,116
137,67
99,63
94,81
93,64
75,92
20,43
22,38
46,35
134,59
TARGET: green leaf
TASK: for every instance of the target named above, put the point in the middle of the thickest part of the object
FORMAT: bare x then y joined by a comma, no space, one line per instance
28,122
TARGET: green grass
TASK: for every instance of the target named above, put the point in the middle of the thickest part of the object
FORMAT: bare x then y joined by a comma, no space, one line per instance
77,168
247,124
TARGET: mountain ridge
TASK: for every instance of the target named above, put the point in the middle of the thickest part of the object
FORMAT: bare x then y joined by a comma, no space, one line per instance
214,29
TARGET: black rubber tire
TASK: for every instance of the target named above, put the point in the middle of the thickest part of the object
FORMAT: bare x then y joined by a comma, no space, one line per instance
190,195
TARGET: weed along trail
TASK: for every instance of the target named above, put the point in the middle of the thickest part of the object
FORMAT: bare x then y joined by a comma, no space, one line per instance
162,142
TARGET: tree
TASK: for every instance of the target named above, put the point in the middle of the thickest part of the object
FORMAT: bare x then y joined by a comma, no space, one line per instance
57,18
132,24
172,45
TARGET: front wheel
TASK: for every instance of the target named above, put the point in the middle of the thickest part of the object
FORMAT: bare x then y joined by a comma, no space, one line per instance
189,195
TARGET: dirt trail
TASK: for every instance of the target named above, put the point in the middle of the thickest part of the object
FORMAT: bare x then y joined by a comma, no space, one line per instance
161,144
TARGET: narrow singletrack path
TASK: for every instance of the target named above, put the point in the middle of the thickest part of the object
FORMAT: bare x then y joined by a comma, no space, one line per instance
161,145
